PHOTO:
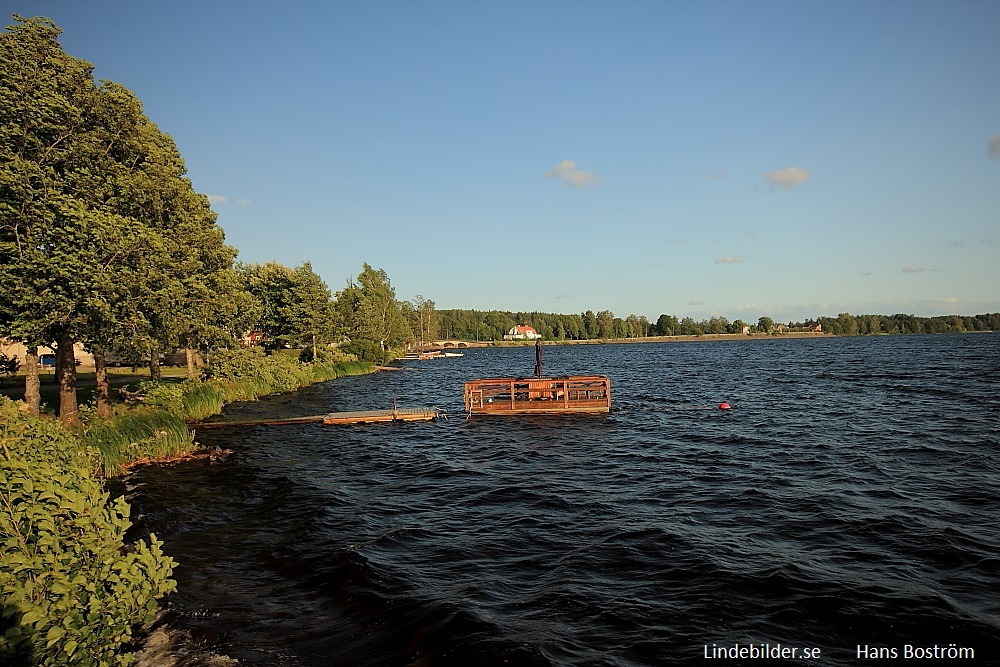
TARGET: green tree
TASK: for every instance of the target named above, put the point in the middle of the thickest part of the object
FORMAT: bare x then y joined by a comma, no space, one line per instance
369,310
765,324
44,94
667,325
310,314
422,318
605,324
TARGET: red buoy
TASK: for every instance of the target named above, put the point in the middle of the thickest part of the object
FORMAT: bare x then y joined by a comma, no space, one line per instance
725,406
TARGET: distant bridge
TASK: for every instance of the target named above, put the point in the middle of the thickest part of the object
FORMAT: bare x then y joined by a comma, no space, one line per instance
452,343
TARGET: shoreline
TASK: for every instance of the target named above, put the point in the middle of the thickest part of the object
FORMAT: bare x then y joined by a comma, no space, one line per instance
670,339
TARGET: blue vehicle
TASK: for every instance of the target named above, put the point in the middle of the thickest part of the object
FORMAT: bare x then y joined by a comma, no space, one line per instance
47,360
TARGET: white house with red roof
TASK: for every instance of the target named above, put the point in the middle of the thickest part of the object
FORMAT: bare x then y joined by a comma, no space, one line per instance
521,332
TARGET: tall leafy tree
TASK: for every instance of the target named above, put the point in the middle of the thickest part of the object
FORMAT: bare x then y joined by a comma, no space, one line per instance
310,314
370,311
44,126
422,318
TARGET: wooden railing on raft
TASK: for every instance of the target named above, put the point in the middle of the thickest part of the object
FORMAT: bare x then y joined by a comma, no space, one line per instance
575,393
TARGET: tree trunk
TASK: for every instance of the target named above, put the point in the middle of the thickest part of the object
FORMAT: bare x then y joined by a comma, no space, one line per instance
103,386
32,384
314,349
189,354
69,411
154,364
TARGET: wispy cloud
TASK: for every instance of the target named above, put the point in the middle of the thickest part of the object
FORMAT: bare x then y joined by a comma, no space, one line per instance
948,299
566,173
692,302
787,178
217,199
245,202
913,269
717,176
993,148
731,259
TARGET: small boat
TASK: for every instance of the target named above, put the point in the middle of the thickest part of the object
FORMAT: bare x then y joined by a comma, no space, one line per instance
452,354
538,395
419,355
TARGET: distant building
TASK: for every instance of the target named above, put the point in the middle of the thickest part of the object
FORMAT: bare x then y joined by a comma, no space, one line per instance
14,349
521,332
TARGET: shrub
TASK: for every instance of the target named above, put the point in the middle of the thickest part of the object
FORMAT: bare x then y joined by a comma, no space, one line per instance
72,589
367,350
166,395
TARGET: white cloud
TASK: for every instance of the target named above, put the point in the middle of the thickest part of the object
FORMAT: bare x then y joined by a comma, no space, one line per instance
993,148
787,178
571,177
948,299
730,259
217,199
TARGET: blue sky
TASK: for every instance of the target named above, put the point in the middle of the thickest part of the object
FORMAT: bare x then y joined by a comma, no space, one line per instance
788,159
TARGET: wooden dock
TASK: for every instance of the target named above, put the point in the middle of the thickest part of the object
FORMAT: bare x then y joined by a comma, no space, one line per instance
356,417
372,416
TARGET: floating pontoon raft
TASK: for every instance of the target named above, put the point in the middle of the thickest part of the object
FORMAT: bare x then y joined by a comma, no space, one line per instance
371,416
356,417
538,395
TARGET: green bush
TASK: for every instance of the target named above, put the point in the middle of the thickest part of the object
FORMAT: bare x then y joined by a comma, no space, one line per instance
273,373
168,396
368,350
72,589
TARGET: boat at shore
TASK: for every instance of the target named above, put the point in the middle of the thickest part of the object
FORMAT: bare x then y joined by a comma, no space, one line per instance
430,354
419,355
539,395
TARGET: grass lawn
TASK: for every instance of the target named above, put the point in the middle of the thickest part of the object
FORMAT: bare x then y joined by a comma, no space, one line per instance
13,386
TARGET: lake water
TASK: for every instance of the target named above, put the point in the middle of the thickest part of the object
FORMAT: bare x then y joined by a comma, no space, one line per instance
850,501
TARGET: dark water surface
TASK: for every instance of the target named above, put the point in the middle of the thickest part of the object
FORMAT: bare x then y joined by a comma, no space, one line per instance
851,497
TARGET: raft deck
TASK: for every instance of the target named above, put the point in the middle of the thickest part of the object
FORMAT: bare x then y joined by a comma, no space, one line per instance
356,417
371,416
519,396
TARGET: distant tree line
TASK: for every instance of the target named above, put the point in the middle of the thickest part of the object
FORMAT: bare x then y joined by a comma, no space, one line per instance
493,324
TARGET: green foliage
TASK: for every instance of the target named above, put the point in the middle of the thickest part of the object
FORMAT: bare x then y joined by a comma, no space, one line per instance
72,589
368,310
188,400
167,396
368,350
9,365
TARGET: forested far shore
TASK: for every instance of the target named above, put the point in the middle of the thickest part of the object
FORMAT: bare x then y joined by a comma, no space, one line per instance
494,324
